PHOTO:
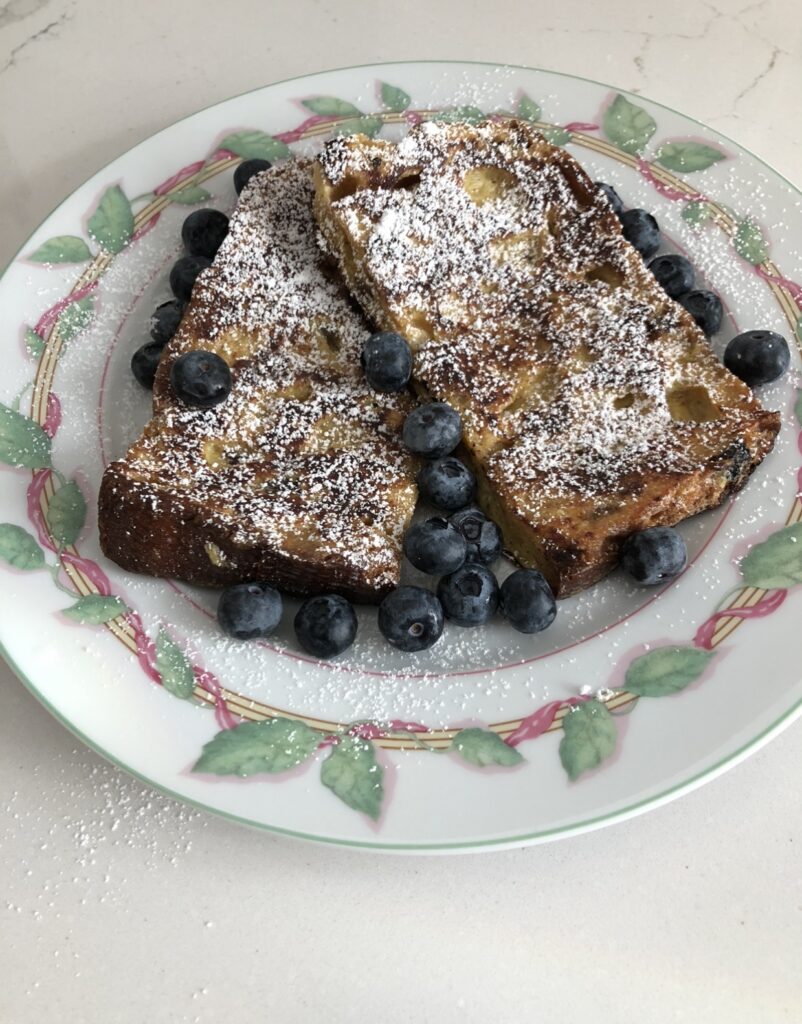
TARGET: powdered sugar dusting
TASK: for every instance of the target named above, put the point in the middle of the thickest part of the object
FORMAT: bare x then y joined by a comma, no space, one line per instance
577,377
302,458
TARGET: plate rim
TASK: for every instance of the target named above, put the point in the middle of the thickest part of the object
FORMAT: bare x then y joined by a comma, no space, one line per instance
634,809
468,846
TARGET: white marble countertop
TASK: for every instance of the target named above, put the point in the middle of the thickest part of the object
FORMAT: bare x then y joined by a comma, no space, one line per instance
120,905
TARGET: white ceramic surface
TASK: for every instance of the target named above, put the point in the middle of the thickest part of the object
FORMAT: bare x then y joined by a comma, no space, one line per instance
79,296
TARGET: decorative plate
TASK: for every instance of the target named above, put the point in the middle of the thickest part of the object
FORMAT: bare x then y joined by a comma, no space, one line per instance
491,738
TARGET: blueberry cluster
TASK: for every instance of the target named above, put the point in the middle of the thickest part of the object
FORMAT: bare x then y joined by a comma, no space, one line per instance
200,379
459,548
757,357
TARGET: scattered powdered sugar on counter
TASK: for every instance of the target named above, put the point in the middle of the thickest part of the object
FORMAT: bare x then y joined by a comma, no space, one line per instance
124,813
87,825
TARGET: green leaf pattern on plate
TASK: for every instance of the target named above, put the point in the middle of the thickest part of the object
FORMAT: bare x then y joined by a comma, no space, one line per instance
697,212
95,609
555,135
19,549
481,747
630,127
469,114
330,106
393,98
528,109
66,514
254,747
687,156
34,343
798,407
352,773
749,241
112,223
777,561
665,670
62,249
173,666
23,443
76,318
251,144
589,737
370,126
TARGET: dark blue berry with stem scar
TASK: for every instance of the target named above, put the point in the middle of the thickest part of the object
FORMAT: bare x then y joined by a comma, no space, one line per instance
613,197
165,320
706,309
482,536
447,483
641,230
248,611
654,555
203,232
757,357
326,625
469,596
387,361
184,274
432,430
411,618
527,601
674,273
201,379
246,170
145,362
435,546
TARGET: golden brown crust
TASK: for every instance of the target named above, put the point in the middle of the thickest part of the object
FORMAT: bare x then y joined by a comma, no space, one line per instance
176,539
592,404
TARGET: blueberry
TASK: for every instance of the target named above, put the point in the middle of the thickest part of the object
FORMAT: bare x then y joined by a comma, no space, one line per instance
387,359
435,547
201,379
246,170
482,535
654,555
757,357
184,274
527,601
145,361
433,430
247,611
613,198
706,309
674,273
469,596
203,232
165,320
641,230
411,618
447,483
326,625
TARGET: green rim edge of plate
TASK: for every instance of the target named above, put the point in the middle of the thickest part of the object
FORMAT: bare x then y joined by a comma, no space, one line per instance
708,774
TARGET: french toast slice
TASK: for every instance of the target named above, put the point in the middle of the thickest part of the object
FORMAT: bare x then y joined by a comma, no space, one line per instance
299,477
592,404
